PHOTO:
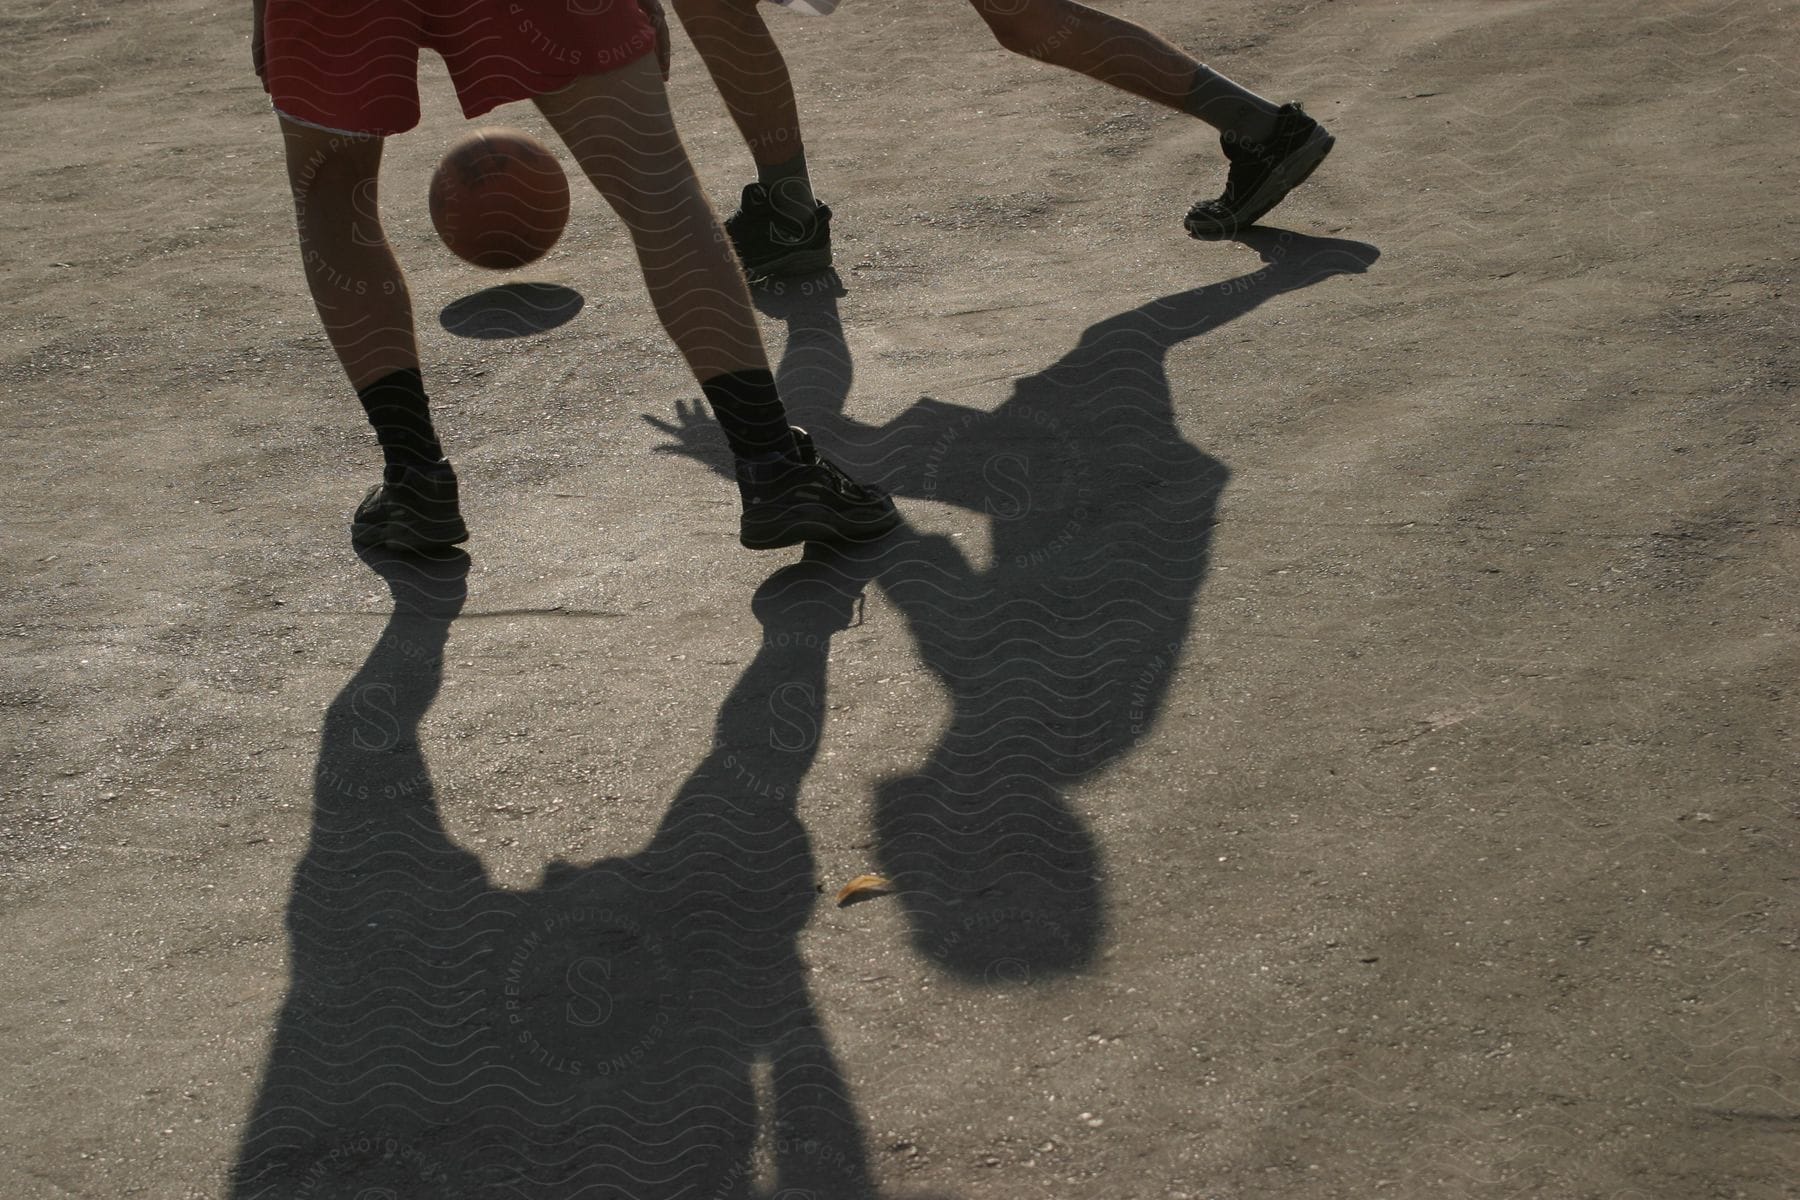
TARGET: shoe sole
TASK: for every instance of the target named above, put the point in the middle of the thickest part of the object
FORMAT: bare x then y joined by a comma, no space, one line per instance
822,533
399,538
1289,174
800,262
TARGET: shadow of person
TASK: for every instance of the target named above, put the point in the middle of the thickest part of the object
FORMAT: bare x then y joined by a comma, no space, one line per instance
641,1025
381,998
1057,653
638,1026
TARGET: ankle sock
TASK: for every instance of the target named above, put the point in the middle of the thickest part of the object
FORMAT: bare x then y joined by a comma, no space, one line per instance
789,188
750,411
400,412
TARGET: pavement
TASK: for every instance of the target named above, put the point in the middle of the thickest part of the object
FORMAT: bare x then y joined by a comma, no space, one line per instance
1326,724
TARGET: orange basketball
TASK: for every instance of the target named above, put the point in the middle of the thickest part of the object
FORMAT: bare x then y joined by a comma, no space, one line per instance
499,199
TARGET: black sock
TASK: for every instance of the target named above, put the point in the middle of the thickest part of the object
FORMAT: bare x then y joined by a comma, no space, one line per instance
1229,108
750,412
401,414
790,188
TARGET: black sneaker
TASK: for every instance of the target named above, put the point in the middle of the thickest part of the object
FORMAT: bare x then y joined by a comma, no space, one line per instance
1262,174
808,500
768,243
410,509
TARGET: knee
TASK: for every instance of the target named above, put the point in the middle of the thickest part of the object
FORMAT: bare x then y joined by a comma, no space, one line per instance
336,210
1028,27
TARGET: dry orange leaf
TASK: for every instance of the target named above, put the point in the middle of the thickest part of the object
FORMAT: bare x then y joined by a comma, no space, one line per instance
863,885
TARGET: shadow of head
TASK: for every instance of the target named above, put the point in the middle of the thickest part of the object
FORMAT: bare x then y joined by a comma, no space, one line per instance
1028,927
511,310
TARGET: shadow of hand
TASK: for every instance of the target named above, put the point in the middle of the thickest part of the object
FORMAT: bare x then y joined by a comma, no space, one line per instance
695,435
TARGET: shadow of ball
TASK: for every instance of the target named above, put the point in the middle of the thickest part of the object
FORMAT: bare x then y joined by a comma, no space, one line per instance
511,310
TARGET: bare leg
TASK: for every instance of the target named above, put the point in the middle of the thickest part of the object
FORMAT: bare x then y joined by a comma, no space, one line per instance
363,303
619,128
750,73
1130,57
355,281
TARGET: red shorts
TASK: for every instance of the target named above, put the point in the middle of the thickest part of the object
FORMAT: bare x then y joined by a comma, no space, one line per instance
353,65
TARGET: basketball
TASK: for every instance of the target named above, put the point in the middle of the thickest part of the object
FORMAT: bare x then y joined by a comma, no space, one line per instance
499,199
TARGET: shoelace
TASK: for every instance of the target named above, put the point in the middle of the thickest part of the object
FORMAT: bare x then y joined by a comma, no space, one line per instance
841,483
1238,178
1235,186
